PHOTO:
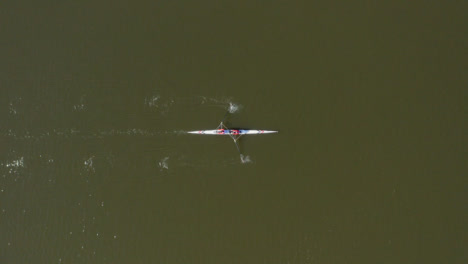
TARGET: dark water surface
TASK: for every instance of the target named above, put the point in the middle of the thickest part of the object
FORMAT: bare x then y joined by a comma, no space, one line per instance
370,165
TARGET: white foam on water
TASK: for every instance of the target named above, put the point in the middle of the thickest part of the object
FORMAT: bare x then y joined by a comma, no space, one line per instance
89,164
79,107
128,132
226,103
161,105
234,108
210,100
245,159
221,102
163,163
203,99
14,167
13,105
12,109
69,133
19,163
179,132
152,101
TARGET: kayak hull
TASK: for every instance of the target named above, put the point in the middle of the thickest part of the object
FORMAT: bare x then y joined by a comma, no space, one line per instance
231,132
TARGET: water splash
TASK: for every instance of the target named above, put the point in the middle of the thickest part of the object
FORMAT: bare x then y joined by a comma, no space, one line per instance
81,105
12,109
158,104
152,101
214,101
14,167
19,163
225,103
234,108
89,164
163,164
14,104
245,159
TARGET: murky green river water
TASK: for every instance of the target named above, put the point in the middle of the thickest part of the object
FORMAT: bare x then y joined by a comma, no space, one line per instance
369,165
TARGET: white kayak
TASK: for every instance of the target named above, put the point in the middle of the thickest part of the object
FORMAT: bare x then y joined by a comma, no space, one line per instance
233,132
